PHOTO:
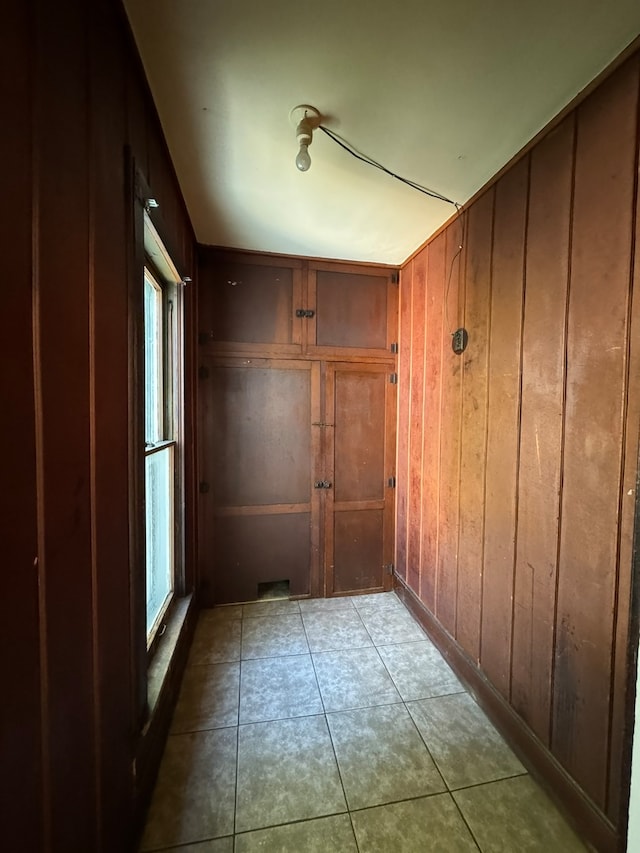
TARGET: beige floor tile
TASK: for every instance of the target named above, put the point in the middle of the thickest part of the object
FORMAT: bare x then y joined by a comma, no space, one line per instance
216,845
418,670
323,835
390,625
515,814
334,630
377,599
273,607
216,641
322,605
354,678
194,796
208,698
466,747
277,688
286,772
381,756
221,613
427,825
271,636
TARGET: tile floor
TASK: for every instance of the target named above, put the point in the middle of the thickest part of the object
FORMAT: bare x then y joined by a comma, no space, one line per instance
335,726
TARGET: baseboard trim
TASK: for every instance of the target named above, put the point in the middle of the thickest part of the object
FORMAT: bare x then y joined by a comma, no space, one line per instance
591,824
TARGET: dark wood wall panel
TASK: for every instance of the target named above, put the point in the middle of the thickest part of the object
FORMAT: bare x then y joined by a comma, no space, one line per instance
404,411
624,640
21,746
449,464
535,431
62,306
596,350
431,413
539,476
78,103
473,437
416,432
503,417
109,427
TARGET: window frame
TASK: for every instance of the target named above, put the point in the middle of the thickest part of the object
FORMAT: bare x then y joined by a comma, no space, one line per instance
157,263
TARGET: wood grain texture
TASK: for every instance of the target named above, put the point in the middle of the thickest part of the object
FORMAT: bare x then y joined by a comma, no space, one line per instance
449,463
416,427
78,101
404,408
431,422
539,476
538,593
624,651
473,439
108,297
596,348
503,424
21,752
63,317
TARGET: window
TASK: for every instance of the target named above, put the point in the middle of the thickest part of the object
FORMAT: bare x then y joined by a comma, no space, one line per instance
161,423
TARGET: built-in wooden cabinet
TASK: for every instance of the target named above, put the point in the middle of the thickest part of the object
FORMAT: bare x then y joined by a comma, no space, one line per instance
297,425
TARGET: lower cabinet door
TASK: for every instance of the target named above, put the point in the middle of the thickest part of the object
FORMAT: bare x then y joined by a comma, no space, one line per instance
359,456
258,517
295,458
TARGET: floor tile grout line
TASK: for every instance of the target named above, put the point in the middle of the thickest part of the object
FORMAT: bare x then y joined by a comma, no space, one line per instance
489,782
466,822
235,797
451,792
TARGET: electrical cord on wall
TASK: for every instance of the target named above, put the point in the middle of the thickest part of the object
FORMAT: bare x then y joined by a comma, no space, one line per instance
453,259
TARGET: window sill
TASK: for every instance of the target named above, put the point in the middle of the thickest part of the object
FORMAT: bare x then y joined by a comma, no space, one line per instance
163,658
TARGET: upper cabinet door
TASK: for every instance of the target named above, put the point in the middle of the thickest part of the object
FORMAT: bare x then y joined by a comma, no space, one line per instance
250,304
354,310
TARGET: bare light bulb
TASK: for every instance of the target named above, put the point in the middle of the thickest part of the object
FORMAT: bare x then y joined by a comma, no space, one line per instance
303,160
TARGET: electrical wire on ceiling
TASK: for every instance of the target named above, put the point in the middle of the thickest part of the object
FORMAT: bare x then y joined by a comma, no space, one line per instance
426,191
371,162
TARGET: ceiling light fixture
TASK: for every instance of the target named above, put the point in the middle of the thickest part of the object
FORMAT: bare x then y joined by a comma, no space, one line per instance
305,119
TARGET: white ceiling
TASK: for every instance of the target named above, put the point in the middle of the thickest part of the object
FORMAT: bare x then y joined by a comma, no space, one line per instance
444,93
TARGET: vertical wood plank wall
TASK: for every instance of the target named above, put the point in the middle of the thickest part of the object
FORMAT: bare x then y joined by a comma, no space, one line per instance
75,94
517,460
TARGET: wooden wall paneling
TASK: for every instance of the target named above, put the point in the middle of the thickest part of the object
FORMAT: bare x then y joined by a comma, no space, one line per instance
539,476
625,640
503,424
601,248
136,105
21,749
431,420
473,438
402,447
162,180
416,424
450,400
65,454
109,430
